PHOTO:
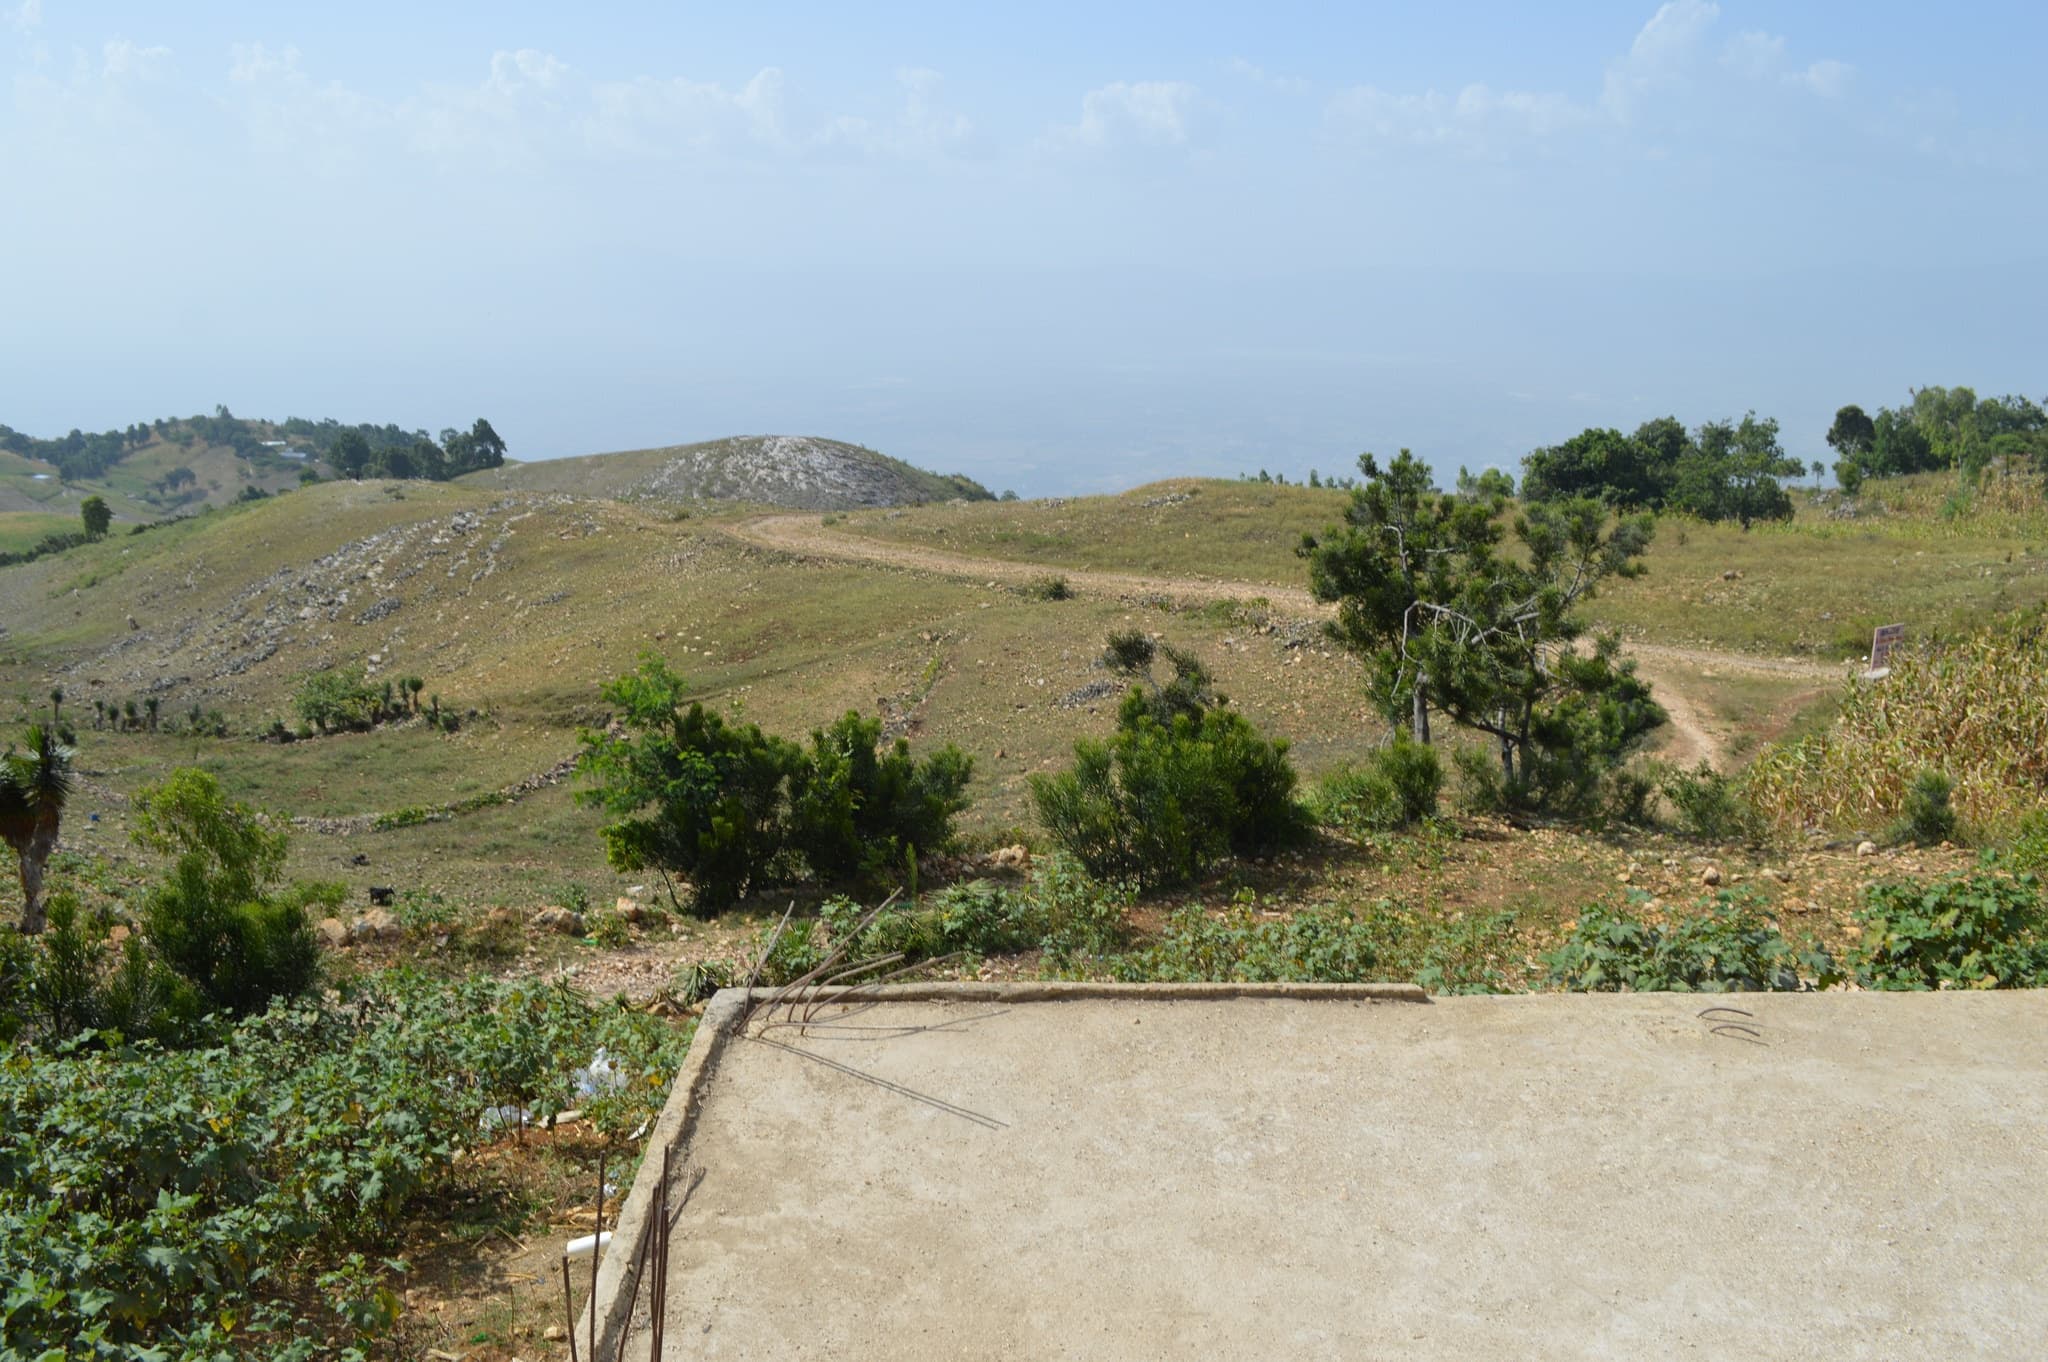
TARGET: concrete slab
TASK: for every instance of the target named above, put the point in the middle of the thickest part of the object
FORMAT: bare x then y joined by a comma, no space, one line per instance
1847,1176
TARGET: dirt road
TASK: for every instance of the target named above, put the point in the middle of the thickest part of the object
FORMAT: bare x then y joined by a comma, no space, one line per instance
1668,669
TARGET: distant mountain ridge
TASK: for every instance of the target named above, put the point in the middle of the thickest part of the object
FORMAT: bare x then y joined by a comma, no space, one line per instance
804,472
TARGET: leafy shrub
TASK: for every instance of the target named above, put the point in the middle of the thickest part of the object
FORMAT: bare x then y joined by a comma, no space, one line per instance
218,919
1397,787
731,807
338,698
234,1202
1708,806
1731,945
1926,818
1161,803
1963,931
1049,588
1240,946
857,811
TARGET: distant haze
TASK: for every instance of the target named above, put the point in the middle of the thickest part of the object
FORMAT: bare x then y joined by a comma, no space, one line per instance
1054,250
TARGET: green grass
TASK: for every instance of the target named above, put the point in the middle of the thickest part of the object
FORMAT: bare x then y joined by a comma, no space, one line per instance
1186,527
1813,587
20,530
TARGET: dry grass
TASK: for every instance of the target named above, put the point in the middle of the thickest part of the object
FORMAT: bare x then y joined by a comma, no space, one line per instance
1971,707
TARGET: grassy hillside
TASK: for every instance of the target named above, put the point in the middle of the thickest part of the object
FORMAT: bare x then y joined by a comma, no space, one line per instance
777,470
1815,586
136,487
21,530
515,606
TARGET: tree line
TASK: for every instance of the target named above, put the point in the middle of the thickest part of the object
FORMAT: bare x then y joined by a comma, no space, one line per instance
354,451
1939,429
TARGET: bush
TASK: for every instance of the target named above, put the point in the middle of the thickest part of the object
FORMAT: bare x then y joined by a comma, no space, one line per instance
1732,945
1926,819
1708,806
1397,787
1963,931
730,807
338,698
1050,588
856,811
1161,804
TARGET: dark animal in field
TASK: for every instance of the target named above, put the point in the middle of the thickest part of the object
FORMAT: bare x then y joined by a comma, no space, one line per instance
380,895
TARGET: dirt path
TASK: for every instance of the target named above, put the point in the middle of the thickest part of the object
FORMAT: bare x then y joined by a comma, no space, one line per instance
1667,668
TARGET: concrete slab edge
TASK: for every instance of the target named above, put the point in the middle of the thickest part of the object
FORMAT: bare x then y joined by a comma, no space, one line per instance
1055,990
614,1297
615,1300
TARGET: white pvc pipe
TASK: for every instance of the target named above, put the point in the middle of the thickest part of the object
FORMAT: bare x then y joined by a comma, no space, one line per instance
587,1245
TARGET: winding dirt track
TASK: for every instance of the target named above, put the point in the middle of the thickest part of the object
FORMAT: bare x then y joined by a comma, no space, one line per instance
1667,668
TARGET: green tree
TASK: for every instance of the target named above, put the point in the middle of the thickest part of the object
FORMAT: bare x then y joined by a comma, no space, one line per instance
337,698
350,454
35,784
1618,468
1400,549
488,449
1444,618
1853,434
96,515
857,809
1736,472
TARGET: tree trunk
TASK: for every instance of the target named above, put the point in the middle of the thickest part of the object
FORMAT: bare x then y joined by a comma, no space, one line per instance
1419,724
32,857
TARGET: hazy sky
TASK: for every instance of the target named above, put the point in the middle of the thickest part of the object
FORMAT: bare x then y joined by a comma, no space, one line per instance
1070,247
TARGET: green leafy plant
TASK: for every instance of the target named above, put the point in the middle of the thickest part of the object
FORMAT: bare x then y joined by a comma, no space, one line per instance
1396,787
1730,945
1708,806
1984,930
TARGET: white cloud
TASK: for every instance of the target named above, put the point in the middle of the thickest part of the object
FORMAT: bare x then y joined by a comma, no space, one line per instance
1662,51
1477,119
1146,112
1827,77
1755,54
1259,75
123,58
26,15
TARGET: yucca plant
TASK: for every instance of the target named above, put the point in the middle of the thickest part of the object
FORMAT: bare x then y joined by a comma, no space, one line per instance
34,785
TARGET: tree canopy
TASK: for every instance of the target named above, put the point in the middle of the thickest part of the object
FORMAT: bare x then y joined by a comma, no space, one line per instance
1724,470
1447,619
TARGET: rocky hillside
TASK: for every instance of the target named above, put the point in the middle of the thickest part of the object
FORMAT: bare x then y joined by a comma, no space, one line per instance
800,471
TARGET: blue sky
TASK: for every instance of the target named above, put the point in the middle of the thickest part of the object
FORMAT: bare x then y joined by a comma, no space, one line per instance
1065,247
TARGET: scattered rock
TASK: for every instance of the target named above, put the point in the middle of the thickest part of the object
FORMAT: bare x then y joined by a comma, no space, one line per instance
376,925
1781,876
1866,848
561,920
333,935
1711,876
1011,858
632,910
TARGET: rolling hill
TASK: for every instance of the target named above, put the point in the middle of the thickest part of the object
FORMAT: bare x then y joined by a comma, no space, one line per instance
802,472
